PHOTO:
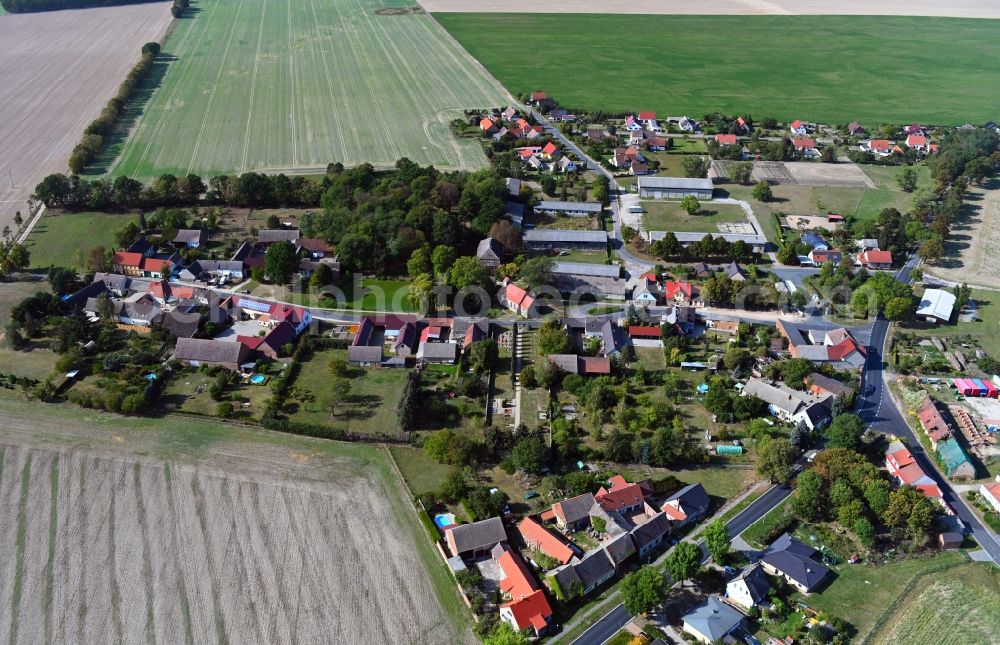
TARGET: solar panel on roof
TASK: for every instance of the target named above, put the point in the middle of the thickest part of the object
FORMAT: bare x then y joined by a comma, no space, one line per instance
255,305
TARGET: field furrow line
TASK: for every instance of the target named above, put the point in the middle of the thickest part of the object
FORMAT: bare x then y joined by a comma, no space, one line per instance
274,561
31,612
171,523
213,569
145,547
291,95
330,82
253,86
115,589
215,86
251,584
18,560
178,80
50,561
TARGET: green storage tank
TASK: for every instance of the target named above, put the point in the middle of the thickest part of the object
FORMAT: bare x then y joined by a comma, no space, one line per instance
728,450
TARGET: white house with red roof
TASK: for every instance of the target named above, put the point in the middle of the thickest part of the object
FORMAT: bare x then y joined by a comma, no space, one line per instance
516,299
991,493
798,127
678,291
880,147
687,505
916,141
549,150
726,139
631,123
805,146
622,497
873,259
526,606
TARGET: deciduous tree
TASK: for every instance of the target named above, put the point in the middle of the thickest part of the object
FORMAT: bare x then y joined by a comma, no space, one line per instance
683,562
643,590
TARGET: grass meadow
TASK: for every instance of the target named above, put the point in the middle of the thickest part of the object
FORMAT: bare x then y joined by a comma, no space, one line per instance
833,69
63,239
290,86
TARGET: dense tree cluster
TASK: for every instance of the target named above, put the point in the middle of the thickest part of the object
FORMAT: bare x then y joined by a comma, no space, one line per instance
708,248
843,486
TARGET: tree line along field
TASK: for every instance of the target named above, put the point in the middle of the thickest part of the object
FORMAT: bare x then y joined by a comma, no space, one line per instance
271,85
127,530
832,69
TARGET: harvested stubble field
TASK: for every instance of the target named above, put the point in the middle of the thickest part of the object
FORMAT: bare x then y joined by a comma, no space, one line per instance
271,85
128,530
830,69
57,71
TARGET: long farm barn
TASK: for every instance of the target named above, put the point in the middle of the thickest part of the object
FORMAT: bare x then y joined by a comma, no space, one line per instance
279,86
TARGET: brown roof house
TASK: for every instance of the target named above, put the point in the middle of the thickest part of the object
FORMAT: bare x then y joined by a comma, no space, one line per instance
476,539
197,352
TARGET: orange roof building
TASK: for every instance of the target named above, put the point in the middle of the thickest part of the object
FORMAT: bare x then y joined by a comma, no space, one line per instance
528,607
538,537
725,139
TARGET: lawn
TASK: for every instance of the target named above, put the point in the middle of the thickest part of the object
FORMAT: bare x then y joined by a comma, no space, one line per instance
292,86
187,391
63,239
861,70
421,473
755,533
589,257
861,593
664,215
369,408
928,613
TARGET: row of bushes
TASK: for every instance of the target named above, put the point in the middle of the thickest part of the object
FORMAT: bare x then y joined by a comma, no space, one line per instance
93,136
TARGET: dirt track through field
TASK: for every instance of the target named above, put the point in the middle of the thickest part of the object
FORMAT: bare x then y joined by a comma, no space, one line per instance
251,542
57,71
956,9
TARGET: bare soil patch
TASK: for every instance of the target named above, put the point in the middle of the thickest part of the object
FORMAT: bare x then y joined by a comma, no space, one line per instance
398,11
227,535
57,71
957,9
974,243
809,173
773,172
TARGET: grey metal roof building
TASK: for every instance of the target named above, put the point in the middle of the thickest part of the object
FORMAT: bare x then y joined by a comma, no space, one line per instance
547,238
793,560
675,187
573,209
587,269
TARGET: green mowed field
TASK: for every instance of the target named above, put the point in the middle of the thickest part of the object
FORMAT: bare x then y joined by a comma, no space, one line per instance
669,216
63,239
275,86
833,69
960,606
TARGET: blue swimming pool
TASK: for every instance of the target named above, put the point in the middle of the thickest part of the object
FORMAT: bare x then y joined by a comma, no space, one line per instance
151,376
257,379
444,519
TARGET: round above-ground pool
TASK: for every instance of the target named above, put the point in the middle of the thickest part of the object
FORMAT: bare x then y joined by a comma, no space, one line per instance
702,388
257,379
151,376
